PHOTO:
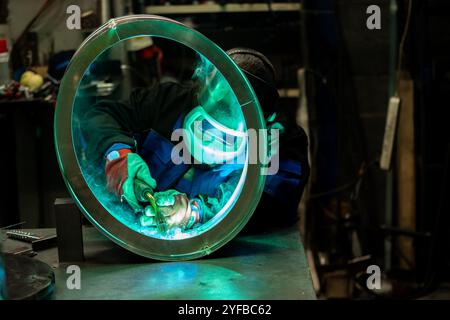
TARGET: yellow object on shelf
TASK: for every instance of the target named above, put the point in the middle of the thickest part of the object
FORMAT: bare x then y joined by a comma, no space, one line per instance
31,80
26,77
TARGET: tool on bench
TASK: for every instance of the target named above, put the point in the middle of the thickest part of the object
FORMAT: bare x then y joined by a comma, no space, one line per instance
37,242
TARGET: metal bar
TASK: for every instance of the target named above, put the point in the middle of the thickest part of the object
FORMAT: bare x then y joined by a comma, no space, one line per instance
217,8
390,175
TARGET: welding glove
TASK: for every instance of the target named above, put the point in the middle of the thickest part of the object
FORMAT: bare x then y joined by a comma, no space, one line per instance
122,168
178,210
175,207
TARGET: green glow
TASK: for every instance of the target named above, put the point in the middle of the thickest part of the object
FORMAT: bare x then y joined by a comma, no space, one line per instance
272,117
224,139
216,96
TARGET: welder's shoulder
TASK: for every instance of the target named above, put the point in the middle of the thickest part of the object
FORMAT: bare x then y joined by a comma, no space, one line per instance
293,132
293,141
297,133
161,94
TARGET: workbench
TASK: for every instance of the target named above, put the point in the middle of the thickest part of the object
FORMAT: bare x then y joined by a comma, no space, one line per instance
262,266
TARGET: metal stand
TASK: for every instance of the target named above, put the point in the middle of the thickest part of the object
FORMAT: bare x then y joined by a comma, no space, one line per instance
69,230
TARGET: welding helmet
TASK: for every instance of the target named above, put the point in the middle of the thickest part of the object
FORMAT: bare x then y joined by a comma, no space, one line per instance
214,131
209,141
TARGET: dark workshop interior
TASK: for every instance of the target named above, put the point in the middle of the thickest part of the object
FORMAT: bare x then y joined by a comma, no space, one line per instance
357,210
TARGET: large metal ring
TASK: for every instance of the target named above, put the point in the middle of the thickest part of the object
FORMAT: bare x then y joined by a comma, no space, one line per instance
120,29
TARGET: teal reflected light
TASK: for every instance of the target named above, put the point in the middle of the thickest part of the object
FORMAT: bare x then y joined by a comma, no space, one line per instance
227,97
219,282
216,95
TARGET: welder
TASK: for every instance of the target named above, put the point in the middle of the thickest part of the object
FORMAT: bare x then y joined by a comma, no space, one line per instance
133,139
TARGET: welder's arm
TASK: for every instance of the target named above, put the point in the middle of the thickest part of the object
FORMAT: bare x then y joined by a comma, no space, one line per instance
109,122
157,107
123,168
207,207
108,129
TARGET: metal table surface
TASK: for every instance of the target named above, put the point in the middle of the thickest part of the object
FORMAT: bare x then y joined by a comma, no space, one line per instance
263,266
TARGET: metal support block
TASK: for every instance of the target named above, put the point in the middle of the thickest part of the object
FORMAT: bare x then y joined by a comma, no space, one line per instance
69,231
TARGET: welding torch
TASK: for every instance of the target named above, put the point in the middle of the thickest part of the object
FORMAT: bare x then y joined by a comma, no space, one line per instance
144,193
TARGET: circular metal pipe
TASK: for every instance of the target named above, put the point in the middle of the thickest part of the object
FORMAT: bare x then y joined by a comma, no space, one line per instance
120,29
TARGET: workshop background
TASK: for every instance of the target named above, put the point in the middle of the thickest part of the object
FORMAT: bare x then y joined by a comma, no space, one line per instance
380,178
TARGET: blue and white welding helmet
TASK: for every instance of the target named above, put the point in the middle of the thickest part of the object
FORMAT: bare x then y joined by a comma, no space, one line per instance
214,131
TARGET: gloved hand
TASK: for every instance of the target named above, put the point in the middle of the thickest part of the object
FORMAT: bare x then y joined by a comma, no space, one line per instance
166,198
122,168
175,207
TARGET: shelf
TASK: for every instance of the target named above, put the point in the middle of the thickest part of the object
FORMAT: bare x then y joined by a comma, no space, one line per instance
289,93
217,8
